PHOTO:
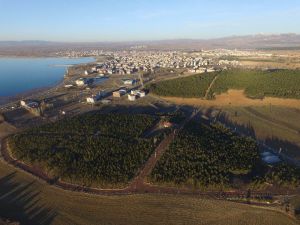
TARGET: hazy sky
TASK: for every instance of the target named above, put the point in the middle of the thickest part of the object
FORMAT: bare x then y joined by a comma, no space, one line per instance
123,20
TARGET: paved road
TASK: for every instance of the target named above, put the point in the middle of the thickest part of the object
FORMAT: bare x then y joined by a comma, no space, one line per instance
210,86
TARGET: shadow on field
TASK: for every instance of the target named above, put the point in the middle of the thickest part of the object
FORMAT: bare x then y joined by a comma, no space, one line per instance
20,202
284,147
247,129
278,145
150,109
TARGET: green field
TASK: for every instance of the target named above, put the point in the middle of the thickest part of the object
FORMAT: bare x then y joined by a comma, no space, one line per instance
192,86
259,84
92,148
256,83
32,202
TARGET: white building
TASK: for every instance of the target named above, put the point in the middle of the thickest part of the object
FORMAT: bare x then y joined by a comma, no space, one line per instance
95,98
131,97
80,82
129,82
141,94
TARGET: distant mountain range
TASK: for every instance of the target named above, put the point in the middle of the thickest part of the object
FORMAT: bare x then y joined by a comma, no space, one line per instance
259,41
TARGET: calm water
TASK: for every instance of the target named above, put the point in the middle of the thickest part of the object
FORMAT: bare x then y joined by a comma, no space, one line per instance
19,75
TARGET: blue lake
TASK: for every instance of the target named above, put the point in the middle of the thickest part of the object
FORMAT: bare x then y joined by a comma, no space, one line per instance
19,75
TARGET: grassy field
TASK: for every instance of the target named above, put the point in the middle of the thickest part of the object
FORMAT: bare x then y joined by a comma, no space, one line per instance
192,86
259,84
32,202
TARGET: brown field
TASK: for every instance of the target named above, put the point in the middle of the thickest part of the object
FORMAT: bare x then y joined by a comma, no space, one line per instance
285,59
261,64
30,201
235,98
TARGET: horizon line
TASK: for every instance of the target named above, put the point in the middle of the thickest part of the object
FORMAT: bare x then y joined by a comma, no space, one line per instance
153,40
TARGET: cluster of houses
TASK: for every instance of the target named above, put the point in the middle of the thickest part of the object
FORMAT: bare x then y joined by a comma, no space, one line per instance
130,62
95,98
138,59
132,96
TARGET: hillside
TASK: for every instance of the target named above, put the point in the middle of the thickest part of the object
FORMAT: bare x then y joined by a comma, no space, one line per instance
259,41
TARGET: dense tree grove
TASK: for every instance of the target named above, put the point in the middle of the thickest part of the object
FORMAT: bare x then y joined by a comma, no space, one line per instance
280,174
206,155
107,148
258,84
192,86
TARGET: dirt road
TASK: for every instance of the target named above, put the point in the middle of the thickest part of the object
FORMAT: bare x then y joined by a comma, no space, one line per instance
138,185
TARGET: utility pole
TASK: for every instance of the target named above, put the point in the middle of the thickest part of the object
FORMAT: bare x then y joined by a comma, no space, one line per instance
141,79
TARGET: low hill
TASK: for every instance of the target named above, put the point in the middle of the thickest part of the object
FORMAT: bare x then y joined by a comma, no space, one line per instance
260,41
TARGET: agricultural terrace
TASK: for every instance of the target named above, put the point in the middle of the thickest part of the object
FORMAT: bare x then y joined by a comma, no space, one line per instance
90,148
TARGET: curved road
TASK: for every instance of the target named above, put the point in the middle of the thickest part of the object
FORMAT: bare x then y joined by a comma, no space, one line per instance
138,185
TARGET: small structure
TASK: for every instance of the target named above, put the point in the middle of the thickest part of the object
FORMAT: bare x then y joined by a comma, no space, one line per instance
29,104
138,93
80,82
95,98
119,93
270,158
129,82
210,70
84,81
131,97
141,94
68,85
32,106
167,124
134,92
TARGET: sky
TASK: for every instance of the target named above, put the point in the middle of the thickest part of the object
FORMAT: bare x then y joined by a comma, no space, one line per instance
132,20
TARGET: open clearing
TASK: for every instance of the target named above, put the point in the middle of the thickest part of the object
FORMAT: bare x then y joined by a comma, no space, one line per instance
32,202
235,98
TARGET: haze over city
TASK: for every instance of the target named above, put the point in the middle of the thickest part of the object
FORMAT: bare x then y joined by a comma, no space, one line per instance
114,20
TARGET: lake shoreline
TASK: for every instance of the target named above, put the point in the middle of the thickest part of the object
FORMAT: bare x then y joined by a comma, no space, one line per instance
11,99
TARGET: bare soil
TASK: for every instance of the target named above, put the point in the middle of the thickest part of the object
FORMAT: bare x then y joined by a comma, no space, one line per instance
235,98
